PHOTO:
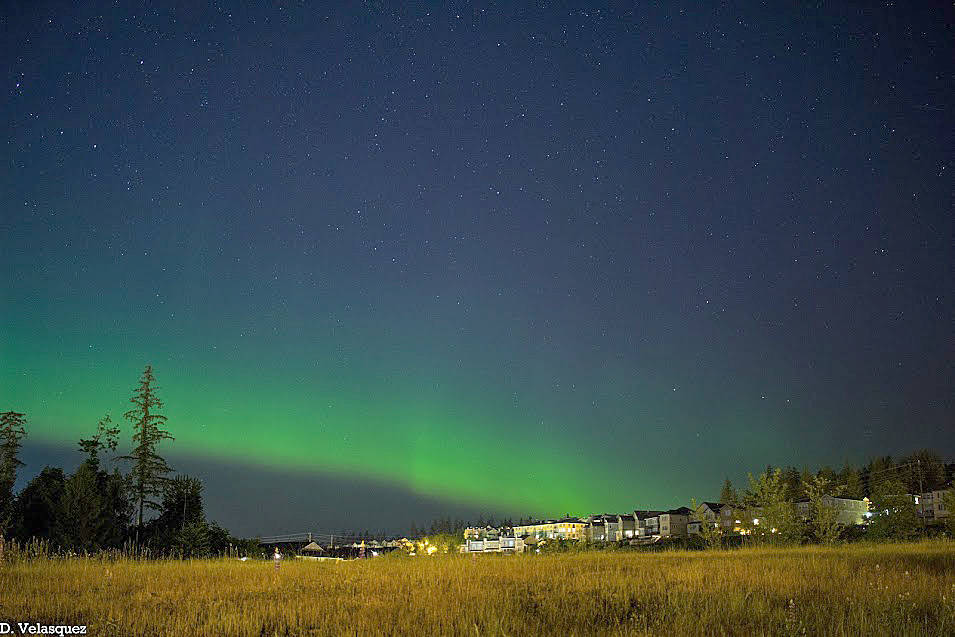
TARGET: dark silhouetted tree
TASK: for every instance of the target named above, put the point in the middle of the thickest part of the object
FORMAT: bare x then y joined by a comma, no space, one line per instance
728,494
793,484
181,525
12,432
922,471
192,541
851,482
81,522
37,505
149,470
181,503
105,439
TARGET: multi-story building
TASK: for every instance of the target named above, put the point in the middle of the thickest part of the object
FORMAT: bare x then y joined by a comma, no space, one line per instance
931,505
604,527
717,513
647,523
569,528
628,526
481,532
500,544
848,511
660,524
673,522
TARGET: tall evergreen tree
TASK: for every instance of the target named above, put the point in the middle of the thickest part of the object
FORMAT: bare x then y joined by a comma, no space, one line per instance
181,521
826,472
805,477
728,494
149,469
95,508
793,484
922,471
851,482
81,523
117,508
37,505
12,432
181,503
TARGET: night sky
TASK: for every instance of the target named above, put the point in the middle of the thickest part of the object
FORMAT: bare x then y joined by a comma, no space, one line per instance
396,263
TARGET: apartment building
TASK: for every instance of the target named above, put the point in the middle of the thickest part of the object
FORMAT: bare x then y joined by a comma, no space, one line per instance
481,532
568,528
647,522
848,511
931,504
673,522
661,524
500,544
605,527
717,513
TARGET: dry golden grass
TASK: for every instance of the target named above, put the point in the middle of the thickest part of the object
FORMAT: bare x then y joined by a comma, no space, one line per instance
903,589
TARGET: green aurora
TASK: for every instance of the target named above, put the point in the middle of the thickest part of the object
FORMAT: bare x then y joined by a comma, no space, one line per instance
391,431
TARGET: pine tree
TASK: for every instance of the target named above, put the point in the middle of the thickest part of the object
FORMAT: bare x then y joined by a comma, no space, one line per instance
149,470
81,519
804,479
181,520
922,471
182,503
852,482
793,482
94,509
728,495
37,505
12,432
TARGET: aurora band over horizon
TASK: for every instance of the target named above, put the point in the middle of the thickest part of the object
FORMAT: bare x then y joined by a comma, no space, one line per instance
391,433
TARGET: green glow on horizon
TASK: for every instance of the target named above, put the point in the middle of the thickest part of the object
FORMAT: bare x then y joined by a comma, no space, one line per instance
424,445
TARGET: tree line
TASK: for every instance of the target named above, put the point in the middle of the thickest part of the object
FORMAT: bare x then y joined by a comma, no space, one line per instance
890,485
99,507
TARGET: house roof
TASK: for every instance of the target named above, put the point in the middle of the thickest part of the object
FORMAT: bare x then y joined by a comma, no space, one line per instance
312,546
680,511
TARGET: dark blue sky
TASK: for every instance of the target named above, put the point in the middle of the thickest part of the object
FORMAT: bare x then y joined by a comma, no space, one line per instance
408,246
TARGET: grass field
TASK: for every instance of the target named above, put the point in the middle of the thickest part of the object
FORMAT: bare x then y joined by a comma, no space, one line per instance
901,589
